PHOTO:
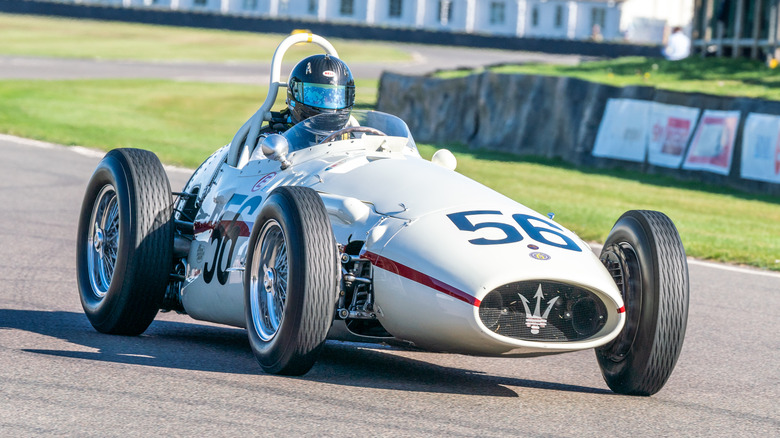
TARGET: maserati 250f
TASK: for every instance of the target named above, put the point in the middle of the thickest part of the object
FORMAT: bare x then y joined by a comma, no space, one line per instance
349,234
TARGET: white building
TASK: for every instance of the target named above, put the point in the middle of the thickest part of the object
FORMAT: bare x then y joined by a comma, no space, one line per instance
570,19
646,21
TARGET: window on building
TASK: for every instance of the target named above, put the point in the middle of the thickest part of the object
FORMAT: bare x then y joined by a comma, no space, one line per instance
199,2
535,16
313,6
347,7
249,5
598,16
497,12
395,8
284,6
558,16
445,11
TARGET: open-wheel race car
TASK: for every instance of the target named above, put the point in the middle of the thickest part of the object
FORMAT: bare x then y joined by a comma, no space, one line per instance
318,233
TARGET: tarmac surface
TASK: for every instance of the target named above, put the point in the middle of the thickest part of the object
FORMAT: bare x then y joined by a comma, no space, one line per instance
58,376
425,59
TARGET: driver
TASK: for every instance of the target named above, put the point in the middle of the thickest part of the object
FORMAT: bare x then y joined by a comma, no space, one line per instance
319,84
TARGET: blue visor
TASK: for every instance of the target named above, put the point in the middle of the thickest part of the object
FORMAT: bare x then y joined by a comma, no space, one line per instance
324,96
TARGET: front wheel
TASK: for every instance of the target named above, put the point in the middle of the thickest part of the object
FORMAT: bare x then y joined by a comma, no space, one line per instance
291,281
646,258
125,242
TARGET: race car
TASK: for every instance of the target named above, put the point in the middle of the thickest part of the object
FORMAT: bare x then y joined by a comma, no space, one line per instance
348,234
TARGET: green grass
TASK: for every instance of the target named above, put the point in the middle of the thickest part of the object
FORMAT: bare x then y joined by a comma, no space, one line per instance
715,223
68,38
718,76
184,122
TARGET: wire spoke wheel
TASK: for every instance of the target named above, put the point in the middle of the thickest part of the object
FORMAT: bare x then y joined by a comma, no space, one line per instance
291,281
124,249
103,240
268,289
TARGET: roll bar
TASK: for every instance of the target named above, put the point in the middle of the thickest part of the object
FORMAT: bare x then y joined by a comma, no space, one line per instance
247,134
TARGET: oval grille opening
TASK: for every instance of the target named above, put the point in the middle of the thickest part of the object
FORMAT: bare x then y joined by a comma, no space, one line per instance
543,311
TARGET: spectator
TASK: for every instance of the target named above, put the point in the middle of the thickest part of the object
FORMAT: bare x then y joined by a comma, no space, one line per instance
678,47
595,34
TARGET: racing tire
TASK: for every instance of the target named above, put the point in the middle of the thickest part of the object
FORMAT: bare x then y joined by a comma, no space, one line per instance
124,248
645,256
291,281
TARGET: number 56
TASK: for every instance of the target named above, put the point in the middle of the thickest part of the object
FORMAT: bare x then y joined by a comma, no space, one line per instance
512,234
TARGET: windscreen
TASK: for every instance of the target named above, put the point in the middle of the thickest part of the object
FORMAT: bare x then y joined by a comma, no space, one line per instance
315,129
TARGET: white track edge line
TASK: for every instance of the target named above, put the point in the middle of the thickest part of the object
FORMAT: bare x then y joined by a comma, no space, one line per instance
722,266
81,150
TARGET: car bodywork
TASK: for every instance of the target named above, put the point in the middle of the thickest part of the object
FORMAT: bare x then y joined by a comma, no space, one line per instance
438,244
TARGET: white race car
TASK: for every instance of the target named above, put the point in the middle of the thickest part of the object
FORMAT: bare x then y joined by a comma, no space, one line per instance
351,235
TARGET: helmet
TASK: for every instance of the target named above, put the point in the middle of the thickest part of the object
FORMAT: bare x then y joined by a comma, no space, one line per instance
321,84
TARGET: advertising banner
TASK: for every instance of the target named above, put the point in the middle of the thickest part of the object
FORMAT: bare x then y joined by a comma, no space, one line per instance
761,148
623,131
713,143
671,127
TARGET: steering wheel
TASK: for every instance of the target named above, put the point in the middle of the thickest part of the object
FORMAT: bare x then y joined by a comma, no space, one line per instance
351,129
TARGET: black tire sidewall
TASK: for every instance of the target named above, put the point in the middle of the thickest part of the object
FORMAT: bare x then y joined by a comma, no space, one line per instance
102,311
634,231
280,348
145,251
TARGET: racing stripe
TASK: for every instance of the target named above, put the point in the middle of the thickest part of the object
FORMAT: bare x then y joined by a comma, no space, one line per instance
419,277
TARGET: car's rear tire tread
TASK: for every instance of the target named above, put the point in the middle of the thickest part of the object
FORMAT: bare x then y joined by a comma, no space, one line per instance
146,235
151,262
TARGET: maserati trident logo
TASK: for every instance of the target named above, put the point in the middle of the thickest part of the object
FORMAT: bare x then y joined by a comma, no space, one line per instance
536,321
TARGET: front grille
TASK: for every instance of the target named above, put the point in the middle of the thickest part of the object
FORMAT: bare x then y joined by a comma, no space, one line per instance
544,311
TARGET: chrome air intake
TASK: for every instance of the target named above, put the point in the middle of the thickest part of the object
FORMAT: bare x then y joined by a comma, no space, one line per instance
544,311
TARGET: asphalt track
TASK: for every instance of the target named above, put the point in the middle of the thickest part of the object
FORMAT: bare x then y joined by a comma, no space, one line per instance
425,59
58,376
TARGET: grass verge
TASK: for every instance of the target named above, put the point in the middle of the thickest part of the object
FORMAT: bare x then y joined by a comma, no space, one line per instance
718,76
714,223
184,122
68,38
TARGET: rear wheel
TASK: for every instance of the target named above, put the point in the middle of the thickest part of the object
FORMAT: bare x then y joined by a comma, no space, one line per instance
291,281
125,242
646,258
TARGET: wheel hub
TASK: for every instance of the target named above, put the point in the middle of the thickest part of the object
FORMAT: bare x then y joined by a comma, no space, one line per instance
268,280
98,239
621,261
268,296
103,240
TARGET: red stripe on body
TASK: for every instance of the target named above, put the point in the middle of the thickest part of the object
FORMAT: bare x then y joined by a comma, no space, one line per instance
419,277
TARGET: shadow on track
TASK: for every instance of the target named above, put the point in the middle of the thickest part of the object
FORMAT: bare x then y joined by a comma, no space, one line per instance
198,347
